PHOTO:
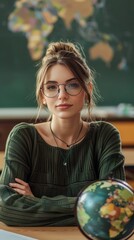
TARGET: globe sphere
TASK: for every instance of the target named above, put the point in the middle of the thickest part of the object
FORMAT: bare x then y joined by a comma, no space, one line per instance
105,210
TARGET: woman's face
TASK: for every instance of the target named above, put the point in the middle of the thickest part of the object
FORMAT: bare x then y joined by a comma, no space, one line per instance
63,105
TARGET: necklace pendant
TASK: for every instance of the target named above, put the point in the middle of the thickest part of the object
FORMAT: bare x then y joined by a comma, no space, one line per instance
67,145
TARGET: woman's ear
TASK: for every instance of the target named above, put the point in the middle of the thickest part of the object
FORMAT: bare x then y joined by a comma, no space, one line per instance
90,88
42,98
44,101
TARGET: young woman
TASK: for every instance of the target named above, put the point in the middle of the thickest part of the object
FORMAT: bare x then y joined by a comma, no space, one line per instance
47,164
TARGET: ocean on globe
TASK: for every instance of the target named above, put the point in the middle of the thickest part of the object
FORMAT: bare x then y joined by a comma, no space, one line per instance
105,210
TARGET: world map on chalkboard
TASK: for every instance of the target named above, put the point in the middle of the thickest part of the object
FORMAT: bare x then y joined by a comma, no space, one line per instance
103,28
37,20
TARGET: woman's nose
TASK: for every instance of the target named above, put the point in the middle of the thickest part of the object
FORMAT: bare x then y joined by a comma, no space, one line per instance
62,92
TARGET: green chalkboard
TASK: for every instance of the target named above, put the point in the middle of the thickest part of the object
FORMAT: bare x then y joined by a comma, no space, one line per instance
111,22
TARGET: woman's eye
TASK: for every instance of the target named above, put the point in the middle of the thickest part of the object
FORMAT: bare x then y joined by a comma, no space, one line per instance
74,85
51,87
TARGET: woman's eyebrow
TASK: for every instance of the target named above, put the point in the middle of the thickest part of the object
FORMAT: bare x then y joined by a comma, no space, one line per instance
68,80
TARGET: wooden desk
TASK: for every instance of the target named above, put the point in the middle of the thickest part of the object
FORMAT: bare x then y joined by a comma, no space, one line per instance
49,233
126,129
1,160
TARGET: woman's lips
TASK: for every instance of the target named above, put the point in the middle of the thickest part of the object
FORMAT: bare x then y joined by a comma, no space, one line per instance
64,106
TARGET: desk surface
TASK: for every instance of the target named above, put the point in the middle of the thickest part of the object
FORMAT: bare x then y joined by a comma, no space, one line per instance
49,233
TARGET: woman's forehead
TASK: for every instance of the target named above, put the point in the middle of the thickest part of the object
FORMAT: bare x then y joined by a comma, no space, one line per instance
58,72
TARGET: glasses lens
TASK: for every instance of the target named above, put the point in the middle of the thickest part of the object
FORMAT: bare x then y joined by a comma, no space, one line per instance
50,90
73,88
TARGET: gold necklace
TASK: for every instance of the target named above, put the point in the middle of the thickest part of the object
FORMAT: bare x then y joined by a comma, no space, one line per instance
67,145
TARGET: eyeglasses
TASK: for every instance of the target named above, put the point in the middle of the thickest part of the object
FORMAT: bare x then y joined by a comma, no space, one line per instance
51,90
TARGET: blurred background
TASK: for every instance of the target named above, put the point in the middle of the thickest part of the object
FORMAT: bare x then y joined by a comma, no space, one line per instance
103,28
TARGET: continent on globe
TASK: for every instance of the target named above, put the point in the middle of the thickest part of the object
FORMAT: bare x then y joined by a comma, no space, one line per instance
105,210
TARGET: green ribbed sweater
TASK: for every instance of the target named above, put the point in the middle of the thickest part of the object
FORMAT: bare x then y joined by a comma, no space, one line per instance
55,175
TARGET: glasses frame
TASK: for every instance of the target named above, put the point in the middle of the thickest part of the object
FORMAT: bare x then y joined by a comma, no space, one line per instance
58,89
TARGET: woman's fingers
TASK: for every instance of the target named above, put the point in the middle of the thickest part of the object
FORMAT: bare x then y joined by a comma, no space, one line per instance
22,192
17,185
21,187
21,181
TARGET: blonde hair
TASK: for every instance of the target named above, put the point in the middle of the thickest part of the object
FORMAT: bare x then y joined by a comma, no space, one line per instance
68,54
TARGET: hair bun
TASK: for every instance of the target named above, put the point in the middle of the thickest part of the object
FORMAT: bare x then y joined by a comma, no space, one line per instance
56,47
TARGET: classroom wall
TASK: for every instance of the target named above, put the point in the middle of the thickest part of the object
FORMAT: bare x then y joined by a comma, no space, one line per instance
107,22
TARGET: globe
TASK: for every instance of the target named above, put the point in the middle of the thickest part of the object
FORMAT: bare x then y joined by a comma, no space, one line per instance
105,210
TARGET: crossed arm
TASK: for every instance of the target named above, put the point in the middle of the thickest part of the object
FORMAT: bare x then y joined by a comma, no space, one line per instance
21,187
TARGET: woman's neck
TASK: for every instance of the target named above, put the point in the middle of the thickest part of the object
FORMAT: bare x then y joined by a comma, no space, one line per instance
66,133
66,128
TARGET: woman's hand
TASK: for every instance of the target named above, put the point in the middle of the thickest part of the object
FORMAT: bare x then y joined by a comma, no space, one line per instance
21,187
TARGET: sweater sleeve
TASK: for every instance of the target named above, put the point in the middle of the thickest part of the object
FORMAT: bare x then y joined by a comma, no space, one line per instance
109,151
19,210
